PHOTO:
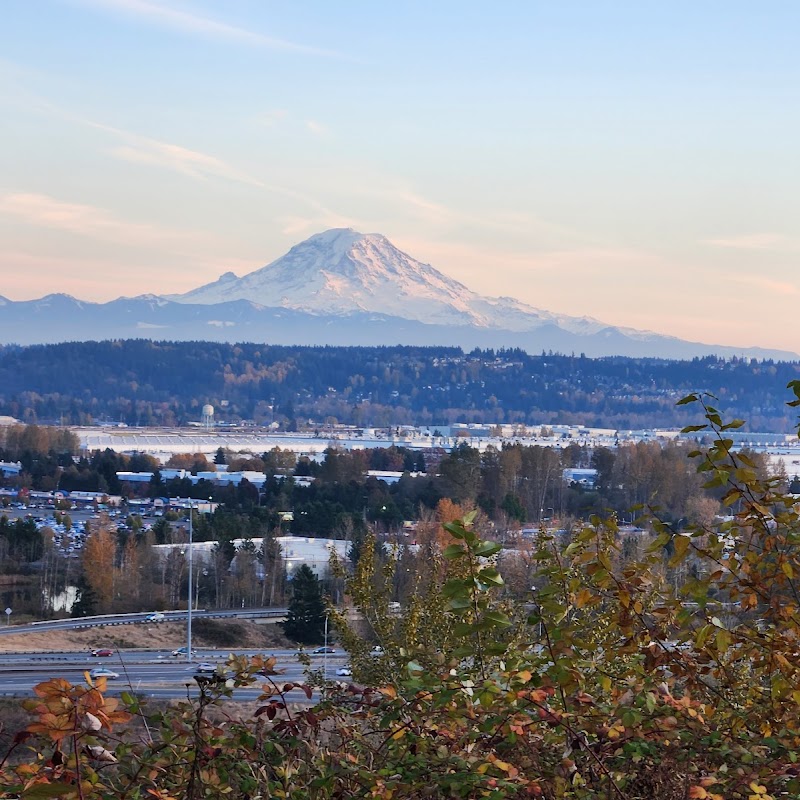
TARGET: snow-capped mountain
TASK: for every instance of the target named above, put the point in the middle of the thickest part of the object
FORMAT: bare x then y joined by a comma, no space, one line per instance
341,287
342,271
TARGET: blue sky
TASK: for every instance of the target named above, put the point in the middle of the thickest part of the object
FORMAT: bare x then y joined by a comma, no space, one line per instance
631,161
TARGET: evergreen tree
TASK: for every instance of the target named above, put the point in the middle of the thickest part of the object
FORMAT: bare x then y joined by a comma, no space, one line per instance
156,486
85,604
305,622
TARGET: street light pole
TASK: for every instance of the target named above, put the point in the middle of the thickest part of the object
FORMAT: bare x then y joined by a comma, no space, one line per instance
189,612
325,654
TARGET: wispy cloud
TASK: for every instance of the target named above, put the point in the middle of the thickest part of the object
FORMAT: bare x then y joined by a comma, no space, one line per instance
435,213
752,241
195,24
90,221
192,163
317,128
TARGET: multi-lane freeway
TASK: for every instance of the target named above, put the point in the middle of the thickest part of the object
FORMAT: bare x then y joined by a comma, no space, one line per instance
155,673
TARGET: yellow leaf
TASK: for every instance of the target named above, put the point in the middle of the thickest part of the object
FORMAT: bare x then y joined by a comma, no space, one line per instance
681,544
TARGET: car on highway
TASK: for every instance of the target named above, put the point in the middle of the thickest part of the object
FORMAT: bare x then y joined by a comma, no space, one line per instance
205,667
182,652
104,672
102,652
344,671
156,616
318,650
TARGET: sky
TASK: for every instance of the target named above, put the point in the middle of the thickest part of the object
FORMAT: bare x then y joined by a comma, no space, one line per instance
635,162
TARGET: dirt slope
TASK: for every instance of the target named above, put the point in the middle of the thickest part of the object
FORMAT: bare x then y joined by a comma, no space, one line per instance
205,633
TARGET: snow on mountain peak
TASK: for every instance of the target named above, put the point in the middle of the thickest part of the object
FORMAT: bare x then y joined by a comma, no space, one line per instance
341,271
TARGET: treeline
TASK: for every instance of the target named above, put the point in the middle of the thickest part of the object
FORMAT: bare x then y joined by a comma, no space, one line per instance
142,382
512,484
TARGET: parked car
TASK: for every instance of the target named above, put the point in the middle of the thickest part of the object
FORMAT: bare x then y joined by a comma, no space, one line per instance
102,652
323,650
104,672
156,616
182,652
344,671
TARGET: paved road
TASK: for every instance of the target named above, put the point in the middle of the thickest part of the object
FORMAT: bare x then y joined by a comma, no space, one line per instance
130,619
152,673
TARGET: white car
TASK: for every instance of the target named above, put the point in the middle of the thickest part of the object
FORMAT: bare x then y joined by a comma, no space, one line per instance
156,616
206,667
104,672
344,671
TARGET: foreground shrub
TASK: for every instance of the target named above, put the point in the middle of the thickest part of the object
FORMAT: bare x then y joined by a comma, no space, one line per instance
619,681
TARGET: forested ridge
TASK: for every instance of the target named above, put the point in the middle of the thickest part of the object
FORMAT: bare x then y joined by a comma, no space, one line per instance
143,382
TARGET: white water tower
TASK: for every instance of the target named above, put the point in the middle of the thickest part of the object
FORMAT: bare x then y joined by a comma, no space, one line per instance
208,416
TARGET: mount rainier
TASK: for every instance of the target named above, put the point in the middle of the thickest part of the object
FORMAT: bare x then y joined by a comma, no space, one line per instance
341,287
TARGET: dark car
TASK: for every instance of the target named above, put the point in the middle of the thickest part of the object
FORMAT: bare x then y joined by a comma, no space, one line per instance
323,650
182,651
103,652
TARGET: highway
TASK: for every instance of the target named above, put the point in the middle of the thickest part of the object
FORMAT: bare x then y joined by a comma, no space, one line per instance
130,619
153,673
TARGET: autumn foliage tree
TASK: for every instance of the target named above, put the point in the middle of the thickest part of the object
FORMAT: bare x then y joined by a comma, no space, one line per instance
99,563
612,682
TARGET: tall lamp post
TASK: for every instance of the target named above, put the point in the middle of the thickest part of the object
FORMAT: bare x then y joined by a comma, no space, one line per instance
325,653
189,611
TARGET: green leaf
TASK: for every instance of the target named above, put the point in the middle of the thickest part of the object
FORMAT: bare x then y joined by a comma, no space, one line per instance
469,518
660,540
454,587
737,423
497,619
693,428
690,398
453,551
702,636
486,549
490,575
455,529
47,790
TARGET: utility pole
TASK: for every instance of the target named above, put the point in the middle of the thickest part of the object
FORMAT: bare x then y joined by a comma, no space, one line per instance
189,611
325,654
